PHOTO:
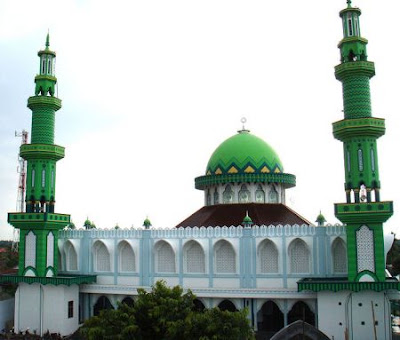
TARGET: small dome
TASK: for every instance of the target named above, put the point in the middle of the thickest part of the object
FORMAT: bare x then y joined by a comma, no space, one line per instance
244,153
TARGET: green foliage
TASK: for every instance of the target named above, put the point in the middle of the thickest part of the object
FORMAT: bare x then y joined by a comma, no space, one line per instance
167,314
393,258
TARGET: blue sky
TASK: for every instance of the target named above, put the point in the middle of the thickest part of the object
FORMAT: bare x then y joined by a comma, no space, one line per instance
151,88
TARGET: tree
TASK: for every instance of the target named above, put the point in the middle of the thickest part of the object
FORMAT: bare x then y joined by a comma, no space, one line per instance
168,314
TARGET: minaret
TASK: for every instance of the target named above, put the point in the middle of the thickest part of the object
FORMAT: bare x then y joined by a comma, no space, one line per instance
363,213
39,225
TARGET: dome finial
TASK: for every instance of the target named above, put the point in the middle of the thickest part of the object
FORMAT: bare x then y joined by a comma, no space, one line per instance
243,120
48,39
349,3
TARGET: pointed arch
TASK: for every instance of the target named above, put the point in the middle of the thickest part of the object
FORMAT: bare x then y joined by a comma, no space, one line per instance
164,258
270,318
102,303
225,257
127,261
101,257
227,195
244,194
194,258
273,195
299,256
339,256
71,257
268,257
227,305
301,311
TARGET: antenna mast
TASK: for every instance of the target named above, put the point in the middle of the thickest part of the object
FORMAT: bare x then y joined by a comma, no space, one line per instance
21,185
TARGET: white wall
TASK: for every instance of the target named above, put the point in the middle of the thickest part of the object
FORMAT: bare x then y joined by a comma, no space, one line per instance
42,308
341,310
6,312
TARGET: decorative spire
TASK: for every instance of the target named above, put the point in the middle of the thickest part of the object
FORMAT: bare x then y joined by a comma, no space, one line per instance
320,219
247,221
147,223
47,40
243,120
348,3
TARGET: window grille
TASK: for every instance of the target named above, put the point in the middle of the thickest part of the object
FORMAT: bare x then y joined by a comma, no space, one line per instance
165,259
126,258
195,261
360,160
227,196
268,257
225,258
339,256
299,257
30,250
102,258
244,194
365,249
216,196
50,250
273,196
260,194
72,258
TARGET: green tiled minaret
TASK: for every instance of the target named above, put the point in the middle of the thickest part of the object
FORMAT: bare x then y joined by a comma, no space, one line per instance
39,224
363,213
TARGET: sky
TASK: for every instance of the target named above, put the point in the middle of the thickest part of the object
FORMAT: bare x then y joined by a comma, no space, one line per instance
151,88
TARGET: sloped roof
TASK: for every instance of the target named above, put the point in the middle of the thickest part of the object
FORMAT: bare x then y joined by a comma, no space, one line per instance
233,214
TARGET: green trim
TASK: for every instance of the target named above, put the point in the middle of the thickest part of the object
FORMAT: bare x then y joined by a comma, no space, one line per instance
336,285
38,220
372,212
41,151
29,268
67,280
46,102
349,69
203,182
362,127
373,275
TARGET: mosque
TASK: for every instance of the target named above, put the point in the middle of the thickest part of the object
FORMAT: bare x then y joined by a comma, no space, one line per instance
244,248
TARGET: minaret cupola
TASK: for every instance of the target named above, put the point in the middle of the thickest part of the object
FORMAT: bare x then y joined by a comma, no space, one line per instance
46,80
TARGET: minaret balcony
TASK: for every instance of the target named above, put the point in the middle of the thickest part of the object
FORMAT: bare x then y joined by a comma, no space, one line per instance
372,212
355,68
42,151
50,102
361,127
38,220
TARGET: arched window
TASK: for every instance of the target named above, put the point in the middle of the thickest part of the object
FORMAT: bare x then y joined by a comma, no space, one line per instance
128,301
30,250
43,178
365,249
101,258
227,305
102,303
71,257
273,195
268,257
194,258
227,196
339,257
260,194
350,24
165,258
299,257
360,160
33,178
244,194
216,196
50,250
225,257
126,257
208,197
372,159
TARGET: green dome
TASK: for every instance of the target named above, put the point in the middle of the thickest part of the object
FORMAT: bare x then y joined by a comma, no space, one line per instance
244,158
244,153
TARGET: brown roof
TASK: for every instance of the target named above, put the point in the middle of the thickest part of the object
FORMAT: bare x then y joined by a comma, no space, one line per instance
233,214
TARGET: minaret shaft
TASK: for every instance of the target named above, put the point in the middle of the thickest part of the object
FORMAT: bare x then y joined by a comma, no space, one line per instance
363,213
